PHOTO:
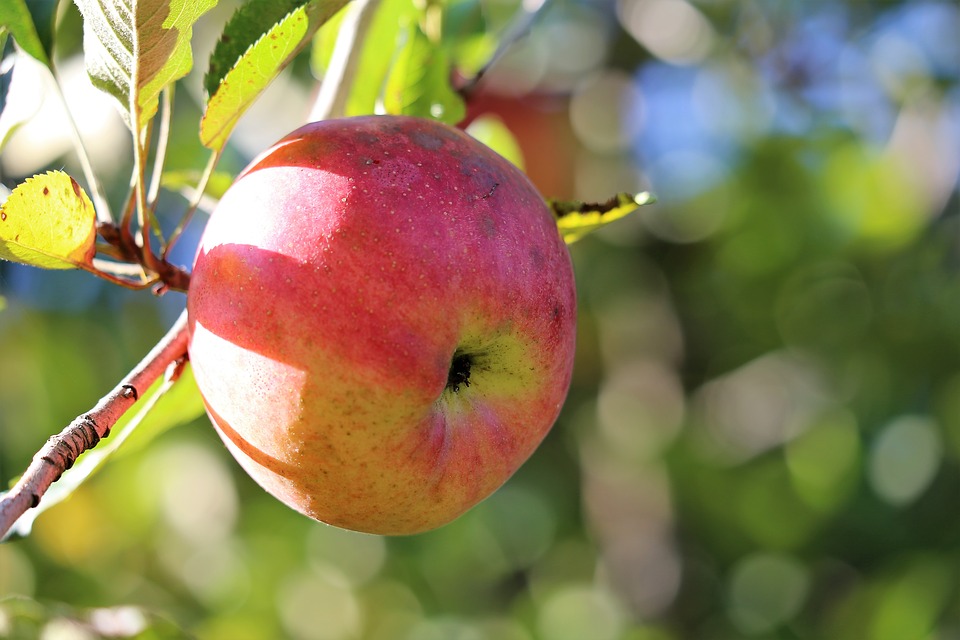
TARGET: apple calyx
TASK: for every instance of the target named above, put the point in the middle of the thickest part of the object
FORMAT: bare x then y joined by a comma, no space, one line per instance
459,371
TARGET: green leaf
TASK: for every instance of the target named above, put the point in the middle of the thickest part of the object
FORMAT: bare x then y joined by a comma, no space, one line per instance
44,14
247,58
16,17
491,131
48,221
419,82
6,71
576,219
379,46
163,406
135,48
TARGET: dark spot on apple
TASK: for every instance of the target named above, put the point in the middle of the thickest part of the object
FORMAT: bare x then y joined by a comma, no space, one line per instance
459,373
3,216
76,187
489,226
536,258
490,193
365,137
46,191
426,140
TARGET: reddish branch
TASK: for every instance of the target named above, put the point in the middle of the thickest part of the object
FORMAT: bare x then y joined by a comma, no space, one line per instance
62,450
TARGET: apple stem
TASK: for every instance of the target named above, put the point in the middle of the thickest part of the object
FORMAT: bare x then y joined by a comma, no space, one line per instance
60,451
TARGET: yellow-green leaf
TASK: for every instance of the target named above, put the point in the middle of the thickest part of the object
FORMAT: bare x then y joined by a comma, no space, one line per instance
419,81
133,50
491,131
48,221
235,85
576,219
15,15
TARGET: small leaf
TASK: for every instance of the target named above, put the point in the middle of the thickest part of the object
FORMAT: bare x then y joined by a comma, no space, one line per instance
15,16
133,49
491,131
247,59
576,219
419,82
48,221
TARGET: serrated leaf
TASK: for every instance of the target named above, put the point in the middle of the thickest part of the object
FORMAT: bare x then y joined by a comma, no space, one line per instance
576,219
419,81
48,221
16,17
235,81
243,30
163,406
135,48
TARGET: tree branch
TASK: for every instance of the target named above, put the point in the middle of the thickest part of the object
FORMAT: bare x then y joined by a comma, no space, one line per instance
62,450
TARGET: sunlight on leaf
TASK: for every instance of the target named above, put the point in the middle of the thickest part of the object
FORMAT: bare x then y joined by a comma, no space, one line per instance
235,81
378,49
419,82
576,219
48,221
16,16
132,51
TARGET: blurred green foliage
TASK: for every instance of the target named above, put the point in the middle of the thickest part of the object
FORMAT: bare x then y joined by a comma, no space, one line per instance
762,439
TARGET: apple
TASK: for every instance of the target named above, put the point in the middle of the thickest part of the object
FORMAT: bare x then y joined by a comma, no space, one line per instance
382,317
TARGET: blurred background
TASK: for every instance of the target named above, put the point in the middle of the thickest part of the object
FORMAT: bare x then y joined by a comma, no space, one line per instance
762,439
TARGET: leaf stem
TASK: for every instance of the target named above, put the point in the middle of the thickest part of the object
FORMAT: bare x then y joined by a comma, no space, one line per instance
62,450
526,16
194,202
100,202
163,138
335,87
144,217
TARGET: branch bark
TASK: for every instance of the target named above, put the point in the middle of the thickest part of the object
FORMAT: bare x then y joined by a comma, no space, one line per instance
62,450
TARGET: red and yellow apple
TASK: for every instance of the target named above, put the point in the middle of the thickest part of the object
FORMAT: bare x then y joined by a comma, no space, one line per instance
382,318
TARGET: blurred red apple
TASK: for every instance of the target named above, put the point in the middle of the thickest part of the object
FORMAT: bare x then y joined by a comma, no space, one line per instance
382,319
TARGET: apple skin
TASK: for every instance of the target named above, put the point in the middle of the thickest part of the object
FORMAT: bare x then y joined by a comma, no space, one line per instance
382,318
